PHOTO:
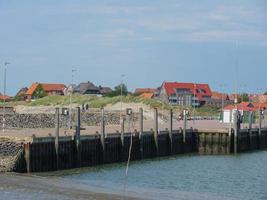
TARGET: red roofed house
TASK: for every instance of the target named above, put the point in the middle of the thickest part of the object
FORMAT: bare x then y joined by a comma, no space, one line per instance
4,98
184,94
244,108
38,90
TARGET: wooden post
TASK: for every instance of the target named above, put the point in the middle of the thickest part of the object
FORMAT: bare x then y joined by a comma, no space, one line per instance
156,128
250,119
141,121
260,122
235,130
122,130
103,134
185,124
57,135
78,137
27,149
171,129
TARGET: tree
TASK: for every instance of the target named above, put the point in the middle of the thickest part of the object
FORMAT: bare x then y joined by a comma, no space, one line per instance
265,93
118,90
39,92
243,97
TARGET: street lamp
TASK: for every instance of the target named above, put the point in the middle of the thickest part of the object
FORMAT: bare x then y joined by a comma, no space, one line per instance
71,88
4,106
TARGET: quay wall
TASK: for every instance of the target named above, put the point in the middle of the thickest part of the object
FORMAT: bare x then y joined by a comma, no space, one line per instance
41,154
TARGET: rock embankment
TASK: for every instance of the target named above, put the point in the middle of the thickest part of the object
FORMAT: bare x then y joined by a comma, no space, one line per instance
43,120
10,152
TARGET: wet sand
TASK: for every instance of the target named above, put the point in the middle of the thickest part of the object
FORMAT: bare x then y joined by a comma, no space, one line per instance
32,187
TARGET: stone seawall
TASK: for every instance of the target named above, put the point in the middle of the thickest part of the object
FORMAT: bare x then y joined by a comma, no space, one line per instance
10,153
48,120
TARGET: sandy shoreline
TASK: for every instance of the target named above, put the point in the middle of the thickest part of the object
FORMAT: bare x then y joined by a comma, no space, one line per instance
30,186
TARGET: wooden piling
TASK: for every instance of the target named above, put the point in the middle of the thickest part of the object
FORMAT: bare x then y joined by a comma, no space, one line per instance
156,128
78,137
122,130
185,125
141,124
103,134
27,149
171,129
260,122
235,131
57,135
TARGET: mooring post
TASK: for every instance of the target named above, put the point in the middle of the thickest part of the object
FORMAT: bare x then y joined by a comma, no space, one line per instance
171,129
122,130
103,134
235,130
141,121
156,128
78,137
185,124
57,135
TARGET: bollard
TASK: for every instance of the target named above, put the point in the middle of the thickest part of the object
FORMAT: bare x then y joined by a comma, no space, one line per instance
78,137
171,129
185,124
156,128
103,135
141,121
235,131
57,135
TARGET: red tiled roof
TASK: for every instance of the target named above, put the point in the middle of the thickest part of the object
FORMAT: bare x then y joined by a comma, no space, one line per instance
2,97
48,87
262,98
53,87
147,95
145,90
245,106
201,90
32,89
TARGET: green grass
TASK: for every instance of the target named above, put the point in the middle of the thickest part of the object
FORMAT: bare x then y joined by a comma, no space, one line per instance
98,102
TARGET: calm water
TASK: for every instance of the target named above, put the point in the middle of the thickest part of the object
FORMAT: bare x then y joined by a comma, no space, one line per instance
241,177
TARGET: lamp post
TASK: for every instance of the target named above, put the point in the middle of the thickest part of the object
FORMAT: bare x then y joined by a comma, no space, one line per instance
4,106
71,91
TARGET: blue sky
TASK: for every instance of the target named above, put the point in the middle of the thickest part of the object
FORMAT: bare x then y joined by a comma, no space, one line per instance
210,41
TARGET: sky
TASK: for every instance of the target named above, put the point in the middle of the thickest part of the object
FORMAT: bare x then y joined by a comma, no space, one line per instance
219,42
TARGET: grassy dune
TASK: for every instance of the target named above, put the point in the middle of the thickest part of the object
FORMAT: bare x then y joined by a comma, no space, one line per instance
98,102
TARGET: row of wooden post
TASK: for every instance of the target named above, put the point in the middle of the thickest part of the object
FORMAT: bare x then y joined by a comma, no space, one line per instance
237,127
103,132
